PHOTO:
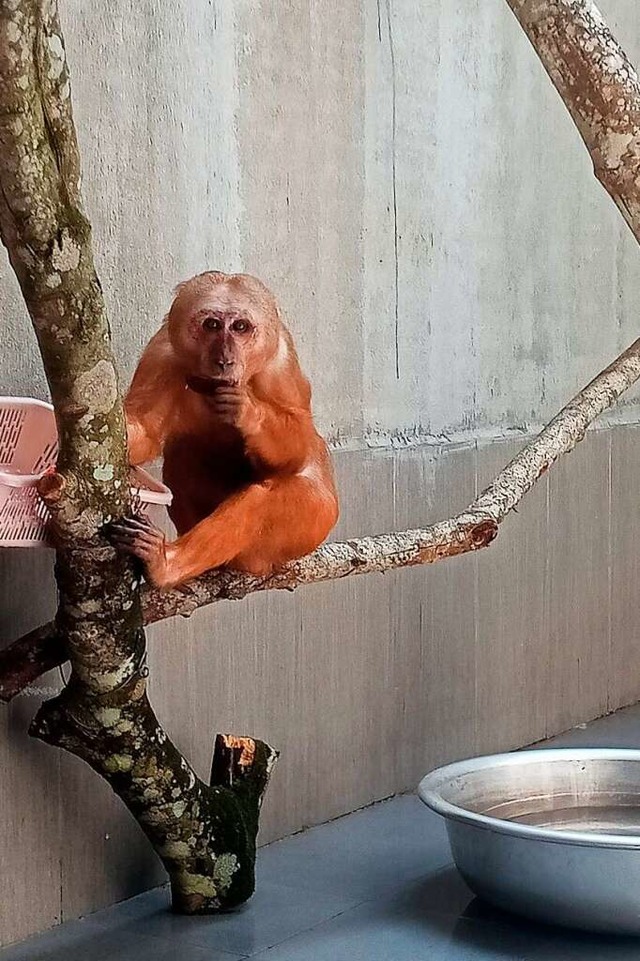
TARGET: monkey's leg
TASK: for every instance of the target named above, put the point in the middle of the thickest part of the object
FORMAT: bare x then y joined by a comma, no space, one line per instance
256,529
292,520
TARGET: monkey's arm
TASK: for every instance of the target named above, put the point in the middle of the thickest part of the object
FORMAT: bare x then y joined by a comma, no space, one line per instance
281,439
149,401
214,541
255,530
143,442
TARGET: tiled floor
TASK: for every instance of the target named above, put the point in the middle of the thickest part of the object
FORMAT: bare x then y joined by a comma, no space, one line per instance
377,885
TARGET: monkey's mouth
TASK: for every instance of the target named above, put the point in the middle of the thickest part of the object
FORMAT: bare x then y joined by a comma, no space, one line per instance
207,385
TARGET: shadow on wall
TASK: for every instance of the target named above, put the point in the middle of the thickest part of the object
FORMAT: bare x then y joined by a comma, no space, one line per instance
29,788
27,599
68,863
27,590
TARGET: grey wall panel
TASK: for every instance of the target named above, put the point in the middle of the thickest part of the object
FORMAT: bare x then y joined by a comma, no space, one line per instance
104,856
429,219
624,664
513,654
579,588
30,877
445,596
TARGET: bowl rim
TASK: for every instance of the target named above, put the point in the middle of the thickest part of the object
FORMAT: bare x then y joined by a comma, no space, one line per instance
430,787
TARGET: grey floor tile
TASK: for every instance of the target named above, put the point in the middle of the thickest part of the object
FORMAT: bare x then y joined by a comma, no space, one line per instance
361,856
155,949
95,944
275,913
120,933
439,920
75,941
67,941
143,905
490,931
381,930
185,952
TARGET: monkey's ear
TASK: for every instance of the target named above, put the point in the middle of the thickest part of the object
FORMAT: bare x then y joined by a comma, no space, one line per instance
183,286
279,314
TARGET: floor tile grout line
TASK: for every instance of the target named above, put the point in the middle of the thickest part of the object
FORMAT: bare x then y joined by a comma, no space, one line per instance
354,907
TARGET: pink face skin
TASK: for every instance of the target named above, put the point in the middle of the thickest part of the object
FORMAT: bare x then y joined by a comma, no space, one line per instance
221,337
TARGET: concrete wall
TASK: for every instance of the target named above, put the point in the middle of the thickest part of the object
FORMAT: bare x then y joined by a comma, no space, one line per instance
404,176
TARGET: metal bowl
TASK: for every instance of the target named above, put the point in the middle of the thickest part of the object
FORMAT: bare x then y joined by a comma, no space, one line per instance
550,834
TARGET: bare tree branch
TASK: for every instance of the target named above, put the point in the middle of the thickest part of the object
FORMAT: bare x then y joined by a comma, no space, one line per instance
30,656
23,661
599,87
470,530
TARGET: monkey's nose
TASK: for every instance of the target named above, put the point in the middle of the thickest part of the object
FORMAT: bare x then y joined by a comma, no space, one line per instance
223,364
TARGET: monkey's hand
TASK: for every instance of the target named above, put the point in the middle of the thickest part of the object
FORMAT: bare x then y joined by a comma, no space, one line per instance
227,402
233,406
139,537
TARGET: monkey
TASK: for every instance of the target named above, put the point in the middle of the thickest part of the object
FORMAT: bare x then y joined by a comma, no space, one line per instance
220,393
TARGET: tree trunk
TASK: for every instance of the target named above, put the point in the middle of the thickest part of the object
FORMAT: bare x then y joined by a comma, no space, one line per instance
103,714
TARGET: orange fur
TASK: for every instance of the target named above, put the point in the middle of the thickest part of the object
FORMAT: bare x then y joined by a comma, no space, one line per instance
220,394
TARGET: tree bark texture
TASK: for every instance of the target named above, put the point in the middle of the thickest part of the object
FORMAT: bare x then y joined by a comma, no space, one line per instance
599,87
205,835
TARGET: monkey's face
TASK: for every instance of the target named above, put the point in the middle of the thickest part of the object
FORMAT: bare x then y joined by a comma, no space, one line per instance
222,336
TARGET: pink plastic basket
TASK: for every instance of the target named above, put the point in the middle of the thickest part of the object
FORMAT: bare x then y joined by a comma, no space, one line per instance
28,448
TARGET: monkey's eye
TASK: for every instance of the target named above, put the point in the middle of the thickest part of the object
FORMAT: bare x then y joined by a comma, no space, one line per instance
241,326
211,323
